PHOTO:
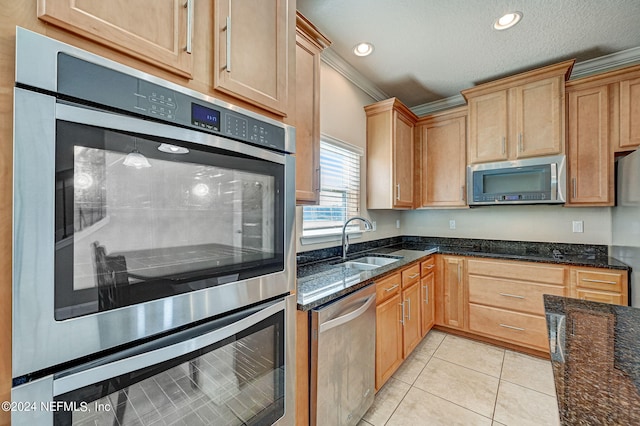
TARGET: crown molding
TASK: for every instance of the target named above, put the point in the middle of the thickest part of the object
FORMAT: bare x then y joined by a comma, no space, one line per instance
606,63
335,61
581,69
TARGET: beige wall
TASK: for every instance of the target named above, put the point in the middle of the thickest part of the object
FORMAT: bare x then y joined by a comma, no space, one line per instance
522,223
342,117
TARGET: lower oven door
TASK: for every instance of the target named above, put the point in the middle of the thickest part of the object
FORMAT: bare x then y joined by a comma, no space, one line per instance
237,370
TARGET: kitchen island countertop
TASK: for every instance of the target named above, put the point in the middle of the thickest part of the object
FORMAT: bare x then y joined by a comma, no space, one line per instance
595,354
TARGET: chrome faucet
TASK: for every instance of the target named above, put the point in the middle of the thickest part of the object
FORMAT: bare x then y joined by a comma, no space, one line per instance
345,238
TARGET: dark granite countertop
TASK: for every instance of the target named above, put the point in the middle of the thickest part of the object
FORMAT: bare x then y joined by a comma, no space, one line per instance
321,279
595,353
322,282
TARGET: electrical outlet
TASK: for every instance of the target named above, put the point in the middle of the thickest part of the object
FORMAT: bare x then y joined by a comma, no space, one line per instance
374,225
578,226
452,224
398,223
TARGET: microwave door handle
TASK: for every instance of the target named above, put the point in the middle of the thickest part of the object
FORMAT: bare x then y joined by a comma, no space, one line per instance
554,181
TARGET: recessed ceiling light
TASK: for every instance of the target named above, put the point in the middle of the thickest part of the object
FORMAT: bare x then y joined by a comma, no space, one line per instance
363,49
507,20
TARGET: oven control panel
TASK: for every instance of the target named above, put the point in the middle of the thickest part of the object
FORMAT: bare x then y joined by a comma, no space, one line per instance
77,78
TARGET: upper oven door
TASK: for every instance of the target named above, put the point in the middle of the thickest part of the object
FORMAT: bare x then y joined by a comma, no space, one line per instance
125,228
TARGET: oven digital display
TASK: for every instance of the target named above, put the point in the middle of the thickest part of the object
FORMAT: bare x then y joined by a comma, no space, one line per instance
205,117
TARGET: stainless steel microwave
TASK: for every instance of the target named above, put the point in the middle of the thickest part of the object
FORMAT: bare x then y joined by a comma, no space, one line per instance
539,180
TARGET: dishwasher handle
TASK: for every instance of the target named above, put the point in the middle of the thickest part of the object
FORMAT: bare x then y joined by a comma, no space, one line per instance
347,317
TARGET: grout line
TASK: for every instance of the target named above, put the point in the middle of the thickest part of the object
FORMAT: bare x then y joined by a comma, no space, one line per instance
495,403
455,403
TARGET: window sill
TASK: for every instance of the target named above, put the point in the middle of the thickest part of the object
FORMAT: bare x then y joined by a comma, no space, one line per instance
327,238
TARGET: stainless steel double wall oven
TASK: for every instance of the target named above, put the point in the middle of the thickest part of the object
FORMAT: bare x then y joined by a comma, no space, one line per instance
153,255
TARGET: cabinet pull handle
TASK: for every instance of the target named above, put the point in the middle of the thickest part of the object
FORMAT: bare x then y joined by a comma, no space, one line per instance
520,143
318,172
589,280
402,319
573,184
426,294
409,302
189,6
511,295
512,327
413,276
391,288
504,145
398,192
228,29
459,271
430,266
462,193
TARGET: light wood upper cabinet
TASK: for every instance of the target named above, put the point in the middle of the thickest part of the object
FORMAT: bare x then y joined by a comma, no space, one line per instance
159,32
251,51
629,113
309,44
590,181
442,146
518,117
390,154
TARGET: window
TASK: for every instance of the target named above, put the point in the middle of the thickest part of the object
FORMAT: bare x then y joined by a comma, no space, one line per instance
339,190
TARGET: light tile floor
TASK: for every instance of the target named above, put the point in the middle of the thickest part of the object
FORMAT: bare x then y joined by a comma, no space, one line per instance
449,380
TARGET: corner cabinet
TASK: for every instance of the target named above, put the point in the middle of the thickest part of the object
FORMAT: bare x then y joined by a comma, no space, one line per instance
131,27
390,161
518,117
441,141
251,42
309,44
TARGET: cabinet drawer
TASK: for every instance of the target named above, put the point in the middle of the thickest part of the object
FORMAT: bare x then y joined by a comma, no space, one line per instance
597,296
517,270
508,294
525,329
599,280
388,287
427,266
410,275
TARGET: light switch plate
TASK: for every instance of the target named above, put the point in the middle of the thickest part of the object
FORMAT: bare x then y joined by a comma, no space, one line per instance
452,224
578,226
374,225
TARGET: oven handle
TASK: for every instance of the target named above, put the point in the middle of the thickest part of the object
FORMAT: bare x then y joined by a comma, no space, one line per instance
103,372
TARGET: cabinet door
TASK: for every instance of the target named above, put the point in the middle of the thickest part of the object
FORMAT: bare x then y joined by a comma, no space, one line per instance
444,163
403,161
427,313
307,122
453,291
538,113
629,114
251,51
156,31
411,327
388,339
590,174
488,127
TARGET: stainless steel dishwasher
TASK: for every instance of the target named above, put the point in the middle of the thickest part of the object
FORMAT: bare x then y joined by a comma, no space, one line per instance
343,345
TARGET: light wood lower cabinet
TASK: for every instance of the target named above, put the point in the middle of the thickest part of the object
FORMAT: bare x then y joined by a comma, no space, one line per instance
450,295
600,285
506,299
388,339
427,295
411,332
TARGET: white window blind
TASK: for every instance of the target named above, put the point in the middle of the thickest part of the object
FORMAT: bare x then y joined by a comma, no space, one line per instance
339,190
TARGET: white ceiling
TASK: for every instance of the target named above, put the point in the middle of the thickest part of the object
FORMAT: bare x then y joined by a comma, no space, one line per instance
427,50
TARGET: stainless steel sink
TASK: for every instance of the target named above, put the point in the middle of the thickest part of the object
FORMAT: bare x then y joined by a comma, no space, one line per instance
369,262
